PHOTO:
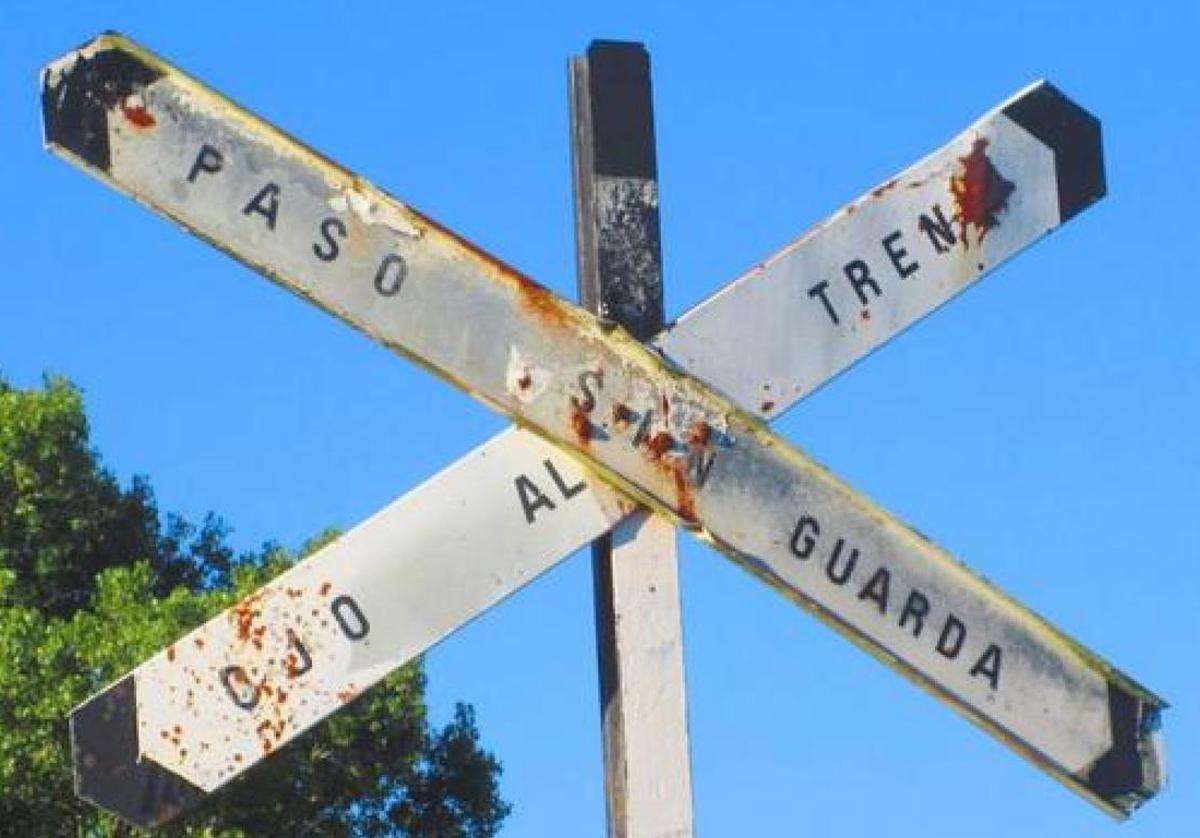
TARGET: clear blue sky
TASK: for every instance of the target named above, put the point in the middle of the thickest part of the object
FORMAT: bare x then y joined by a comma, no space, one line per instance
1042,427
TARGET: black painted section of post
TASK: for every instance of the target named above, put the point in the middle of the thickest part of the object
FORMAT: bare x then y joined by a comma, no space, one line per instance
616,182
619,266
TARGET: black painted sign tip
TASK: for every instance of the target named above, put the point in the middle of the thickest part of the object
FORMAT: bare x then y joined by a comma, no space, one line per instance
1074,135
79,92
109,770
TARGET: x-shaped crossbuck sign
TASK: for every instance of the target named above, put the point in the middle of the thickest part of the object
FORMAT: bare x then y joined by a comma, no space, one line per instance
605,423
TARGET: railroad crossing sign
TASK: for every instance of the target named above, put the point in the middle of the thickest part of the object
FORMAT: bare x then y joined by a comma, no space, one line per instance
604,424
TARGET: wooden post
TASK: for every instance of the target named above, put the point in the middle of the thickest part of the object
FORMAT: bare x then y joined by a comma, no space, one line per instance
647,774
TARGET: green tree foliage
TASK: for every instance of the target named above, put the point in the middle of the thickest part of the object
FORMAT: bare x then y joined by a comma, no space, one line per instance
91,584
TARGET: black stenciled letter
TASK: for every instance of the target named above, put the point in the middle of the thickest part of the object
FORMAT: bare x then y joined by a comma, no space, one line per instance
343,604
208,160
328,226
588,404
988,665
303,662
941,234
266,204
859,274
566,491
897,254
876,589
700,463
393,265
950,642
802,549
840,577
643,431
531,498
917,607
245,694
818,290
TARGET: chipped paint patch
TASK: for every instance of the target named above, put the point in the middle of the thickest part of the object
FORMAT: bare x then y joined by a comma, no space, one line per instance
524,379
372,212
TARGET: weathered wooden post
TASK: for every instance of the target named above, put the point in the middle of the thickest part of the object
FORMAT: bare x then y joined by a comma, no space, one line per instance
639,629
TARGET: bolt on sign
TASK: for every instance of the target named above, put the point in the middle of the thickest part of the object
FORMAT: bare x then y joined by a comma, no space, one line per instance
606,423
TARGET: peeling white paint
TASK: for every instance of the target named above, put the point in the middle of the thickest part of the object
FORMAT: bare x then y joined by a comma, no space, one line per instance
371,212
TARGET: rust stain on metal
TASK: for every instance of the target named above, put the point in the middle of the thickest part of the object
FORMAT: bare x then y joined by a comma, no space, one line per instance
685,497
324,590
171,653
243,616
581,424
660,444
700,434
767,406
199,641
883,189
270,733
865,314
135,111
264,736
622,416
539,300
291,665
980,192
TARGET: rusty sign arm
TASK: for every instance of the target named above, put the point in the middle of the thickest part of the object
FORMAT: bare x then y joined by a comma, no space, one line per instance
181,149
